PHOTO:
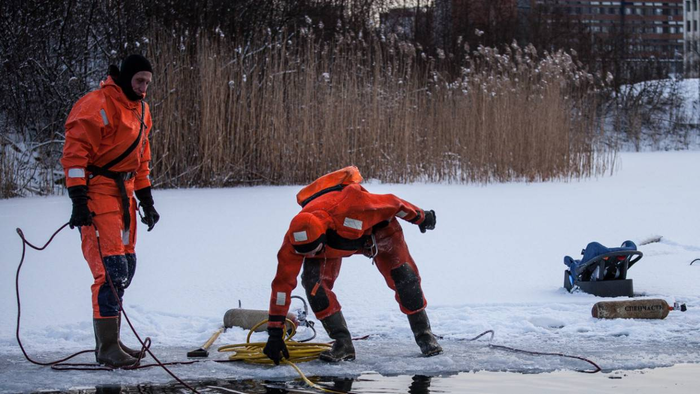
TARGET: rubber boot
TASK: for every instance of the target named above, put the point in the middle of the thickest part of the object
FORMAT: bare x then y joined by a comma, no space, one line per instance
342,349
420,325
109,352
126,349
131,352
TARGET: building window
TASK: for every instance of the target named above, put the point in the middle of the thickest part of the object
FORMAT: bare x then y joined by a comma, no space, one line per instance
687,5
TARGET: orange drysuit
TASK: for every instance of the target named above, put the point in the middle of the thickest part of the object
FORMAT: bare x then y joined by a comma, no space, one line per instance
357,222
102,126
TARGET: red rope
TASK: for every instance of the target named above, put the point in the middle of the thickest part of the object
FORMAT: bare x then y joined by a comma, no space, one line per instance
61,365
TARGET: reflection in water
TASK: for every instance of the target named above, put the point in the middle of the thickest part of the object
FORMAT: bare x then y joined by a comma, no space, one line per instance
420,385
342,384
274,390
108,389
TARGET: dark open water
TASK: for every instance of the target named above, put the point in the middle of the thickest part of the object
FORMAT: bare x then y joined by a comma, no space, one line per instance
368,383
678,379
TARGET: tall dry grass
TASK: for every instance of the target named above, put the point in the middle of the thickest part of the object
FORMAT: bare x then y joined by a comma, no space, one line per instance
28,167
8,174
291,108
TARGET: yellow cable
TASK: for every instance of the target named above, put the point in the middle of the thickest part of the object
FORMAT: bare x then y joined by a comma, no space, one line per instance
252,352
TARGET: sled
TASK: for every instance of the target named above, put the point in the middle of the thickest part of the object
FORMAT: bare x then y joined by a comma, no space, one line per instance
602,271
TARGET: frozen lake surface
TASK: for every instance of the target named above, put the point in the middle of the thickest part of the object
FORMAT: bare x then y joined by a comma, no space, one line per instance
494,262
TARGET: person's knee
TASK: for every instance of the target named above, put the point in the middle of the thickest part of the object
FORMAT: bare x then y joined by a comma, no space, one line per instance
311,275
117,267
315,293
408,287
131,267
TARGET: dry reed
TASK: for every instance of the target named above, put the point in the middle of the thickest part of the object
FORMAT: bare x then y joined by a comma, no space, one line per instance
290,108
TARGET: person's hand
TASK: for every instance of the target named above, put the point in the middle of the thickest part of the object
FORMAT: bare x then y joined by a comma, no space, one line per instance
429,222
81,215
275,348
150,215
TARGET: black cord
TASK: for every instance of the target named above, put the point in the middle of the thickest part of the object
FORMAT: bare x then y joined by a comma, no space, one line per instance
303,319
534,353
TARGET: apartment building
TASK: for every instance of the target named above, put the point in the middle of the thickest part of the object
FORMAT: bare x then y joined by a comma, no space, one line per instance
648,29
455,18
691,38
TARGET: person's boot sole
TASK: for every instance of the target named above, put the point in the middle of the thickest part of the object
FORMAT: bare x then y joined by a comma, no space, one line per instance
106,364
336,360
433,353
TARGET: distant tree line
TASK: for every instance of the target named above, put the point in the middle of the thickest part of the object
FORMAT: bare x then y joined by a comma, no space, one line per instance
53,52
233,77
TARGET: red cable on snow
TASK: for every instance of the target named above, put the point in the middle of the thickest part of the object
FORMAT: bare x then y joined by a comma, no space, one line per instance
61,365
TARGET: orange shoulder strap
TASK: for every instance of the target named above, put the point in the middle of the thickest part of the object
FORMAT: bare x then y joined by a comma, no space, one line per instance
333,181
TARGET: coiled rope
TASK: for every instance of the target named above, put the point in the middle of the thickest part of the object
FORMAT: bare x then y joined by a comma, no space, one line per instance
252,352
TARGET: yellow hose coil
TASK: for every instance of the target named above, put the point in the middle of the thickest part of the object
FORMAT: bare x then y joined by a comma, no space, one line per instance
252,352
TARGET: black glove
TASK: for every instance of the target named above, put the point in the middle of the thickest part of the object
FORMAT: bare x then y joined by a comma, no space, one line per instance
81,215
275,348
150,215
429,221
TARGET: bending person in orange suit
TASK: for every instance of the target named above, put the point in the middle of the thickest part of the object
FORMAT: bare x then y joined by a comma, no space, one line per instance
340,218
106,160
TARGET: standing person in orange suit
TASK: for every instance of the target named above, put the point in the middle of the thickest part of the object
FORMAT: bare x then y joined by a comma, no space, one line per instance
106,161
340,218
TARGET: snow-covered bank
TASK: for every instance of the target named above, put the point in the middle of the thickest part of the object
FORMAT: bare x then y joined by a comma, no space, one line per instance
656,115
493,262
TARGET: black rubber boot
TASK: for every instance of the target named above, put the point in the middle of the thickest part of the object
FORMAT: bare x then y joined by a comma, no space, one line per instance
131,352
420,325
342,349
109,352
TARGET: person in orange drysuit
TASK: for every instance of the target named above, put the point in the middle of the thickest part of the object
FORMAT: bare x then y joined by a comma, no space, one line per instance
105,159
340,218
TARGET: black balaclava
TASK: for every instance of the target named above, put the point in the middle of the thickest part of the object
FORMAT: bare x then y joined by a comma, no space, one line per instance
131,65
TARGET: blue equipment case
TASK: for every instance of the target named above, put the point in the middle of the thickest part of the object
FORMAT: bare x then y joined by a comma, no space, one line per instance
602,271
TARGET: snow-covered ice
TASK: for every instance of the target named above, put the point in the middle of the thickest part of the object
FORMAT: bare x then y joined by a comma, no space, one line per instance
494,261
